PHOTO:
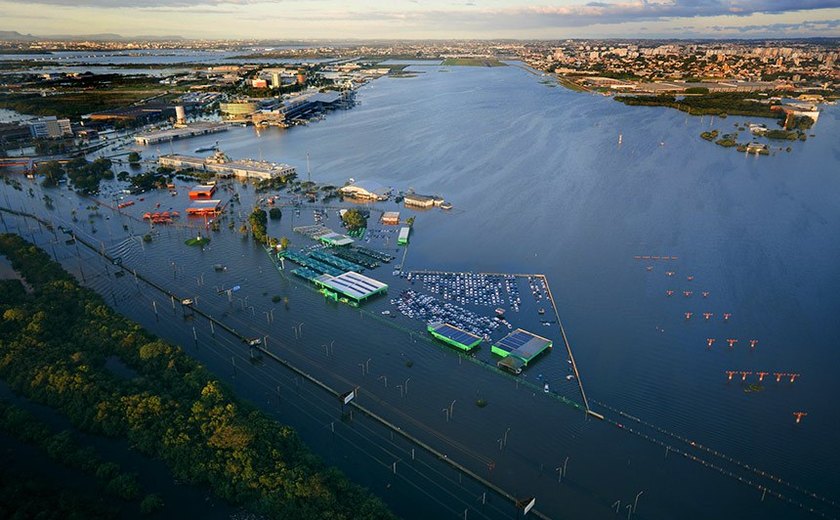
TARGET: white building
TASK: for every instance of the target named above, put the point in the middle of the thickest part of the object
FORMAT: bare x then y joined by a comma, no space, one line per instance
366,190
50,128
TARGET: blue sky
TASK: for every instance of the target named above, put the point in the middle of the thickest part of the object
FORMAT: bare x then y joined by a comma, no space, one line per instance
324,19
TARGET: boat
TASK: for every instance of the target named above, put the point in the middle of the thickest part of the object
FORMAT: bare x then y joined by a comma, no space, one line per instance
213,148
570,377
541,311
545,388
446,205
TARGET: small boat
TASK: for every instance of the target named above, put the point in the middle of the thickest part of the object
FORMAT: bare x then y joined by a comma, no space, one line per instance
541,311
446,205
208,148
545,388
570,377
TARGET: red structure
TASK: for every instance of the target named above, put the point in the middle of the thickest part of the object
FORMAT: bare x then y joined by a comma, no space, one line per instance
761,376
708,315
688,315
799,416
753,343
202,191
710,342
731,373
687,293
744,375
726,316
732,342
669,293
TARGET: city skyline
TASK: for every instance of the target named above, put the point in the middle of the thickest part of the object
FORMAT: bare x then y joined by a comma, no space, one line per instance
487,19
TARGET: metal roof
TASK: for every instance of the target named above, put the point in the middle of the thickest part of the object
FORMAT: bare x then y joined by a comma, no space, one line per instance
455,334
352,284
523,344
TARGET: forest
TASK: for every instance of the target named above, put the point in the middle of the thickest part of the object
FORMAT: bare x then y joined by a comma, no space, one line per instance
55,338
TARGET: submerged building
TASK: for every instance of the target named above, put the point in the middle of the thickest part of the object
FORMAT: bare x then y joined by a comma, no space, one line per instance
223,165
519,348
368,190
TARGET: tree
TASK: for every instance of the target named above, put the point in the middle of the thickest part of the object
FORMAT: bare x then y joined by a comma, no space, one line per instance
258,220
134,158
52,172
275,213
151,503
354,220
284,243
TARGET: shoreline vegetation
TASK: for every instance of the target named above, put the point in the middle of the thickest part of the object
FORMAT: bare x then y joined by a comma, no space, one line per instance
55,341
715,104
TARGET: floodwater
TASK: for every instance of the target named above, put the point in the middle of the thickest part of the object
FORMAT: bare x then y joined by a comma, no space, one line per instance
541,185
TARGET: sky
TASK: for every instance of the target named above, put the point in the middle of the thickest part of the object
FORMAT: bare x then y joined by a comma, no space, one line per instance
421,19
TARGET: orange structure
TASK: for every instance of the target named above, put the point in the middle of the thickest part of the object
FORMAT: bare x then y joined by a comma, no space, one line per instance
799,416
202,191
205,208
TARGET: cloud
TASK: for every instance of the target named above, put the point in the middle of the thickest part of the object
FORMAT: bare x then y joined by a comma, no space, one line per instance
584,13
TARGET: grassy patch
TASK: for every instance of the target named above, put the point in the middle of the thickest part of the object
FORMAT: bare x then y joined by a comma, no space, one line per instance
197,241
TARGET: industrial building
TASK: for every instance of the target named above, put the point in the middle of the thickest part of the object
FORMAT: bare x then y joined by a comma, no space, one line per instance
305,104
402,238
174,134
453,336
239,110
352,286
221,164
202,191
422,201
205,208
366,190
391,218
50,128
519,348
335,239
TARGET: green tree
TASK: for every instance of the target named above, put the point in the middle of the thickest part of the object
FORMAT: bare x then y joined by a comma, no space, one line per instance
275,213
151,503
353,219
134,158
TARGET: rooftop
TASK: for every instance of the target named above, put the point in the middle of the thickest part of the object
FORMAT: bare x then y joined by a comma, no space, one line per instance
352,285
521,344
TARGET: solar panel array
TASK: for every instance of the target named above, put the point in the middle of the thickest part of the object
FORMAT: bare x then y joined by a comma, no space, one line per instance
524,342
455,334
